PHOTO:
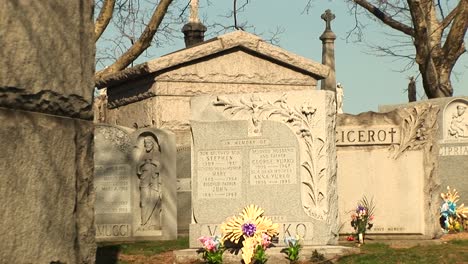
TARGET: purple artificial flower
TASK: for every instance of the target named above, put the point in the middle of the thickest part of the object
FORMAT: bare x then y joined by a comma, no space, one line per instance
249,229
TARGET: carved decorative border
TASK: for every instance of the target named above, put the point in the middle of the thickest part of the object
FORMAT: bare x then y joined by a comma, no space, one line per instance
303,122
418,127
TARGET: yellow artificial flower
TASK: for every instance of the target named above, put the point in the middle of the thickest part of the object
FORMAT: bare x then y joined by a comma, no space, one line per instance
250,225
248,248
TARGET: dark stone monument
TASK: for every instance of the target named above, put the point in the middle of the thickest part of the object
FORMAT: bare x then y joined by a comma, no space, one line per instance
46,139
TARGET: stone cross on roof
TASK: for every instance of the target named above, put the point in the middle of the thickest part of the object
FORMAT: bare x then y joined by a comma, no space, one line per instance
194,11
328,16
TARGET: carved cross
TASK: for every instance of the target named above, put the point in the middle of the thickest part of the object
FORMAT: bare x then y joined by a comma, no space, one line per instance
194,11
328,16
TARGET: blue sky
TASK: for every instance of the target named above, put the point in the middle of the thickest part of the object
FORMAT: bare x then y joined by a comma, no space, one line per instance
368,80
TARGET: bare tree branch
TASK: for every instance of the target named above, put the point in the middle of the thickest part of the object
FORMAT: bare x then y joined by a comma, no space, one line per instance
141,44
385,18
105,16
454,45
449,18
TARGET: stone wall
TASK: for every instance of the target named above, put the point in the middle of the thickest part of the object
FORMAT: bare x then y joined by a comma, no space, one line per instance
390,158
46,162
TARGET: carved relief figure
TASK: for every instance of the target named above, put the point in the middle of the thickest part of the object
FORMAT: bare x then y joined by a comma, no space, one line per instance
459,123
148,171
339,98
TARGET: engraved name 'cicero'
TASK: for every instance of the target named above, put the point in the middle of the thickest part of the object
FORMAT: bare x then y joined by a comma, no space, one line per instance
273,166
219,174
112,185
367,136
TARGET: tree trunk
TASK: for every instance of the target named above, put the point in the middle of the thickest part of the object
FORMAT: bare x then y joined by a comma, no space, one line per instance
436,80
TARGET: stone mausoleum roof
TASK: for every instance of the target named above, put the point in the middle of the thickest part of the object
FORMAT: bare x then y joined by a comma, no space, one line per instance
234,40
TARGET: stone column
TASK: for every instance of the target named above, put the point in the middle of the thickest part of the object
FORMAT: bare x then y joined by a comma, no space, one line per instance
46,133
194,30
328,51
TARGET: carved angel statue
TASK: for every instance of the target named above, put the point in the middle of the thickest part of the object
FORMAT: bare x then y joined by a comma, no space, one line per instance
339,98
148,170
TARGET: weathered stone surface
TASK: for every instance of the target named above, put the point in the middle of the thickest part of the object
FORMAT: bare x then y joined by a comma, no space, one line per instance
237,39
41,71
46,189
135,184
46,163
390,158
46,101
452,142
184,189
238,66
246,147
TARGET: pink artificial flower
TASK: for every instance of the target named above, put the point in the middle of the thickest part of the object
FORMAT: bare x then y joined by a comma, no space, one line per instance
265,241
203,239
371,218
210,245
350,238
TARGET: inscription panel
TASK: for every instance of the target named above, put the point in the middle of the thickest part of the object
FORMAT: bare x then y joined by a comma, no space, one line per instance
112,185
286,229
246,142
219,174
375,135
272,166
453,150
113,230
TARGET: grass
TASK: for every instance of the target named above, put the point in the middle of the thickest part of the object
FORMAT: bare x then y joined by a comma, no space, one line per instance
455,251
108,253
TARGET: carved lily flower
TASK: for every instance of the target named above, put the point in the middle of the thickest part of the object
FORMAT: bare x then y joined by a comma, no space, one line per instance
290,117
304,132
307,109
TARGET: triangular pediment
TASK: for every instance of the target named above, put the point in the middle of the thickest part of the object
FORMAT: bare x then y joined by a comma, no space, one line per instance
237,54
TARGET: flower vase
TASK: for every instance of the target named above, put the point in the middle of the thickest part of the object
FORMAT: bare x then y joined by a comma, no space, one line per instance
361,238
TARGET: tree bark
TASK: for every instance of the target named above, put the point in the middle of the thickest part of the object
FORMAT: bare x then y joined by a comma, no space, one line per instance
141,44
105,16
435,58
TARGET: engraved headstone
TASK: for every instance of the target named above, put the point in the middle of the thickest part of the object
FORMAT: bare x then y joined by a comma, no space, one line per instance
390,158
275,150
135,184
452,142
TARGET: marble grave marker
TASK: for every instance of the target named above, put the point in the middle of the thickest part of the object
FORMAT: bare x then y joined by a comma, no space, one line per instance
390,158
275,150
135,184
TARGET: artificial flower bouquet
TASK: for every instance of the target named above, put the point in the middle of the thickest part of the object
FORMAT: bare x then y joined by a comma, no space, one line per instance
212,249
293,248
253,230
452,218
362,217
